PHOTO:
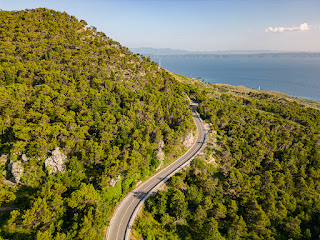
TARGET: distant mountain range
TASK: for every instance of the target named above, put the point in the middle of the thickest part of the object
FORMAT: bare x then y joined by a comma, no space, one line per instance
230,53
169,51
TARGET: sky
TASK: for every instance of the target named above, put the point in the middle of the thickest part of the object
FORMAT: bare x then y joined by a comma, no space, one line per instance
197,25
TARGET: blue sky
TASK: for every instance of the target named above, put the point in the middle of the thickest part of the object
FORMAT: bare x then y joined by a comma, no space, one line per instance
197,24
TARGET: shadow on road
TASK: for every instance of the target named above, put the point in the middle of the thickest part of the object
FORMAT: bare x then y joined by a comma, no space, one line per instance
162,178
139,195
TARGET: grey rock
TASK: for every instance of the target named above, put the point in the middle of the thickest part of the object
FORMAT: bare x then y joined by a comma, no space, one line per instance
114,182
56,162
160,155
24,158
16,170
189,140
161,144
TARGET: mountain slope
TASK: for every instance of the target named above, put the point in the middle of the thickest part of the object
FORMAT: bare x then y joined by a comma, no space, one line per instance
258,178
109,111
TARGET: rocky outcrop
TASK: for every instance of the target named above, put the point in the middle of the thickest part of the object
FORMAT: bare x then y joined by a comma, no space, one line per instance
114,182
55,162
16,170
161,144
160,154
24,158
189,140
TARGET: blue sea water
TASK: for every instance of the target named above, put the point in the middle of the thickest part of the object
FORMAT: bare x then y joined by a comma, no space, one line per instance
298,77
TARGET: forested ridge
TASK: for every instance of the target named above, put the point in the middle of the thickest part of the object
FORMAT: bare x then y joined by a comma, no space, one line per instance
258,178
70,92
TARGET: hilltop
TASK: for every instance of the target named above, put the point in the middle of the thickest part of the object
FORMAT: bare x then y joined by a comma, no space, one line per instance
83,119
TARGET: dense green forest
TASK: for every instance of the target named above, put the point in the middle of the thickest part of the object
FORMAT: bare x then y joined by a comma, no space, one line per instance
259,176
81,122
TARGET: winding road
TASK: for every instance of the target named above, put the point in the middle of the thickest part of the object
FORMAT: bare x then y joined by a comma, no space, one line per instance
123,218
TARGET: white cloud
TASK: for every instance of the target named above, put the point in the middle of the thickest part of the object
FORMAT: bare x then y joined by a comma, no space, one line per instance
302,28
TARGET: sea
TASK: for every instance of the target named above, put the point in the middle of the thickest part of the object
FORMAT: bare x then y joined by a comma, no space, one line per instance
295,76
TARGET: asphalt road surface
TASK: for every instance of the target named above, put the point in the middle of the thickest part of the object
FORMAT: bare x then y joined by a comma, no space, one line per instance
125,213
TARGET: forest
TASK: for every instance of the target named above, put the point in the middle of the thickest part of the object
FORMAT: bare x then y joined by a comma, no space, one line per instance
258,178
82,120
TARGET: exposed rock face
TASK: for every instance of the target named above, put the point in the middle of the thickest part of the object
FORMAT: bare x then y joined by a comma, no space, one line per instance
114,182
56,162
161,144
24,158
160,154
189,140
16,170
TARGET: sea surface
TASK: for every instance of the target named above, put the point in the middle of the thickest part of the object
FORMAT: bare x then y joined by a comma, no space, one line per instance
295,76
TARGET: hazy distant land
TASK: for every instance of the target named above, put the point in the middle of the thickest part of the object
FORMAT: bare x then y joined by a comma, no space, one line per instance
167,52
296,74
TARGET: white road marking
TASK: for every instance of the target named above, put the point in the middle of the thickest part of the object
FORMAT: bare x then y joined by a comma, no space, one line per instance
151,185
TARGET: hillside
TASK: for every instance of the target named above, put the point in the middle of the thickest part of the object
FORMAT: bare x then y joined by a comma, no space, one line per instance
241,90
82,120
258,178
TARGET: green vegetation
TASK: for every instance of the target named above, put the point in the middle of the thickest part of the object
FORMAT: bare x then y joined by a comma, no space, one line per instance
259,177
65,85
242,89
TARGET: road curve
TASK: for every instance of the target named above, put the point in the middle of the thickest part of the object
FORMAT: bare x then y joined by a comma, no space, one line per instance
123,218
